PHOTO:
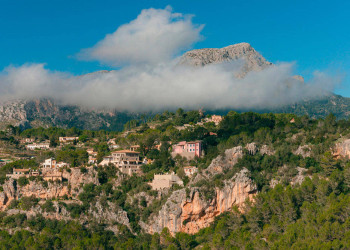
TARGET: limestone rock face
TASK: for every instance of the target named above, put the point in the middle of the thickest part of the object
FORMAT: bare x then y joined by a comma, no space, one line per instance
76,179
222,162
13,112
109,214
189,212
8,193
37,190
342,149
253,61
73,186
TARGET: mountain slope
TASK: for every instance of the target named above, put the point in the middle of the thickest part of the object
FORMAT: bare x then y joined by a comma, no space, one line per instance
46,113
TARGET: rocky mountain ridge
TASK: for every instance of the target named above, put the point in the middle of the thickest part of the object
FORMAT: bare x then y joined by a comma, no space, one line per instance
47,113
253,60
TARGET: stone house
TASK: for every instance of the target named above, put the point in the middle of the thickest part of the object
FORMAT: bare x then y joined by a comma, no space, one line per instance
127,161
214,118
162,181
22,172
57,176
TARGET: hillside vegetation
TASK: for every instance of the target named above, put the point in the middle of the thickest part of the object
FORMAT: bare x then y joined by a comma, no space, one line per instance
302,183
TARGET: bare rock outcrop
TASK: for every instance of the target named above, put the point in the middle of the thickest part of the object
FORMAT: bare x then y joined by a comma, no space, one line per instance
109,214
190,211
36,189
253,61
342,149
304,151
75,181
266,150
225,161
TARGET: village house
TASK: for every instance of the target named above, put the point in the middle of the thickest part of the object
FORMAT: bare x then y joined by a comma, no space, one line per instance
27,140
34,146
92,159
187,149
135,148
127,161
21,172
92,156
56,176
190,170
68,139
91,151
162,181
214,118
52,163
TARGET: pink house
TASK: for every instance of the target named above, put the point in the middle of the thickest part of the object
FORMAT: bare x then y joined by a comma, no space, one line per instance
189,149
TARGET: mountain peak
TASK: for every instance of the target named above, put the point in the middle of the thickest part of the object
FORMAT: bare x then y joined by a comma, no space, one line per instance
201,57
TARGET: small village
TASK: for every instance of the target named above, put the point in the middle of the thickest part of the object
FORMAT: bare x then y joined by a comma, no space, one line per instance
126,158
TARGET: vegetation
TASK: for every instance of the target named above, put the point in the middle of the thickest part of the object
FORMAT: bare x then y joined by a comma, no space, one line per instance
312,214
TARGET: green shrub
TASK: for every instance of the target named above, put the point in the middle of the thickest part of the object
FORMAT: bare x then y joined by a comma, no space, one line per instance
22,181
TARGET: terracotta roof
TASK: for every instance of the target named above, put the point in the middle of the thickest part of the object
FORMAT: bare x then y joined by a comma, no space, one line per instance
193,141
125,151
20,170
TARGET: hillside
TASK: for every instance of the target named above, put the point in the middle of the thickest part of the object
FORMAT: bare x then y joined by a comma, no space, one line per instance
264,181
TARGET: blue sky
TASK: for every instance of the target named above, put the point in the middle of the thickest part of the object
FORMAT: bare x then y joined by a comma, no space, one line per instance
314,34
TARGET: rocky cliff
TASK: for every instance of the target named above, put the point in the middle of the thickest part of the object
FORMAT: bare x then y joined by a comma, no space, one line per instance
342,148
189,211
72,187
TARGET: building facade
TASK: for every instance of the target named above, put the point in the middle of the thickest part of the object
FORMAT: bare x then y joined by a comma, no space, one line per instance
188,149
162,181
127,161
68,139
38,146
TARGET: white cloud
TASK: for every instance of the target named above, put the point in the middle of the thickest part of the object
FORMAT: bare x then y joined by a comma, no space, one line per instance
168,86
156,35
151,79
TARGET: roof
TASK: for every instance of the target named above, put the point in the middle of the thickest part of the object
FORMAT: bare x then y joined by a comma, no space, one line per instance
193,142
126,151
21,170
